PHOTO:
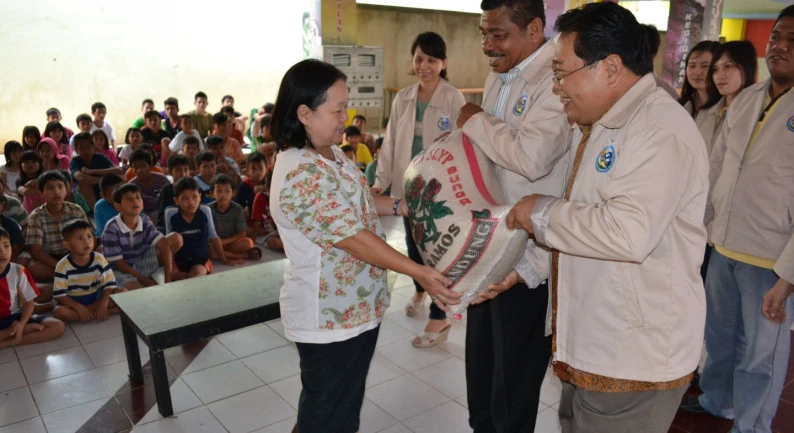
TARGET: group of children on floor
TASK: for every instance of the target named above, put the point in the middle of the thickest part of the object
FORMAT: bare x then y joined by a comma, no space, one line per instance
79,225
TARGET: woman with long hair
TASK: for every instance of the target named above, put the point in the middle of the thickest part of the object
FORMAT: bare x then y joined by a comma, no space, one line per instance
733,69
335,292
420,113
696,92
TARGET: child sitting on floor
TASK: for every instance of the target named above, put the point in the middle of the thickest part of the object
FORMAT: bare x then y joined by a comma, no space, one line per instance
50,158
100,111
83,278
154,134
193,221
30,138
104,210
103,146
186,123
44,237
179,167
223,164
230,224
263,223
83,125
133,139
191,148
10,171
256,168
57,132
205,161
354,139
18,325
233,149
130,173
88,167
132,244
27,187
151,184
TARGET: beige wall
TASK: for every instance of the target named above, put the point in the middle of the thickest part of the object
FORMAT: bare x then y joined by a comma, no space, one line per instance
71,53
395,29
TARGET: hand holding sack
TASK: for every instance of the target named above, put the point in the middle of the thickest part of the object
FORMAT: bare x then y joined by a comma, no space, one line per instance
458,217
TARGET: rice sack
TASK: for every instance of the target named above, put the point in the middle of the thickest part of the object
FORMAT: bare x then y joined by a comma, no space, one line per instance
458,217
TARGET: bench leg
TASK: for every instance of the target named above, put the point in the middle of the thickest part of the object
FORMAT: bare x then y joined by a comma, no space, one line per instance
161,389
133,354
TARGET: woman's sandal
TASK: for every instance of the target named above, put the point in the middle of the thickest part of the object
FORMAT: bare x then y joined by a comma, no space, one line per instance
430,339
413,307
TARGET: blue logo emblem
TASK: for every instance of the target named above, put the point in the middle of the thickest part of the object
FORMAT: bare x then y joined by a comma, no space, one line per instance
521,105
606,159
790,124
444,123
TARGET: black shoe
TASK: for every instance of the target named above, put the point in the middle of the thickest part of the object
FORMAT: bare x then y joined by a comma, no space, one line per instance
695,380
691,404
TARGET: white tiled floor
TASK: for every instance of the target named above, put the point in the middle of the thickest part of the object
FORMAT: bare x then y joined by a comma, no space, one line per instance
247,380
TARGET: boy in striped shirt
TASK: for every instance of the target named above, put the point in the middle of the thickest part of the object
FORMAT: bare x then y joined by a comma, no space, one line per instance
83,279
132,243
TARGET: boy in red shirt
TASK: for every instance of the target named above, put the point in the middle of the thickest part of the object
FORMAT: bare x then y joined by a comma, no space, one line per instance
18,325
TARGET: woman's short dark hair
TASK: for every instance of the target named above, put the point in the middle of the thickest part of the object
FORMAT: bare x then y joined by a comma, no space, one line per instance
744,56
687,91
603,29
433,45
305,83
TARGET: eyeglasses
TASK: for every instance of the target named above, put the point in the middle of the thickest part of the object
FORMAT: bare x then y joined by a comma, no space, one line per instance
558,80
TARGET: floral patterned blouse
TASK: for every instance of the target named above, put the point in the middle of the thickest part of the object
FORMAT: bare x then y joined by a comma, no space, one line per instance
328,295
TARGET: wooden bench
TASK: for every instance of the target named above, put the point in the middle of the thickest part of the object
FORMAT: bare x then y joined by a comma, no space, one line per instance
181,312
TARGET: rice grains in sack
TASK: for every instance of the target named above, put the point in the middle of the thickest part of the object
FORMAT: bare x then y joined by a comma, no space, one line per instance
459,217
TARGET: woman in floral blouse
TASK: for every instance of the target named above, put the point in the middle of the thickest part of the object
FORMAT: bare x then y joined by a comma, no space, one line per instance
335,293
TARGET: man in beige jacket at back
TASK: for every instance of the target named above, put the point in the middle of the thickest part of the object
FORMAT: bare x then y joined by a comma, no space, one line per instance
627,238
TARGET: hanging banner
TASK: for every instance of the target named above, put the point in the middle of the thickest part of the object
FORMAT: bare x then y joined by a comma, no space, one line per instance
712,20
684,29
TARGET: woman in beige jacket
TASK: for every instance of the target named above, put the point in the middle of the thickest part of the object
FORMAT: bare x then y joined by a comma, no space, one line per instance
733,69
420,114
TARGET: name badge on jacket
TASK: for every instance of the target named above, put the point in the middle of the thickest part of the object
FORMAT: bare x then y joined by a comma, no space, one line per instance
521,105
444,124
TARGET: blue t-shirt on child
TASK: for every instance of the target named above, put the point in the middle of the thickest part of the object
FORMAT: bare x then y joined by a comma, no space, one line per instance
196,234
103,212
206,190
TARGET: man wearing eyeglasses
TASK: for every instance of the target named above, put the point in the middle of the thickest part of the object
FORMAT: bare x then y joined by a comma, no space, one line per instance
627,235
522,128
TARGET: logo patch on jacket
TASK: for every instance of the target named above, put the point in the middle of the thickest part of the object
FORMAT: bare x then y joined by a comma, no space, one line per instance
444,124
606,159
521,105
790,124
